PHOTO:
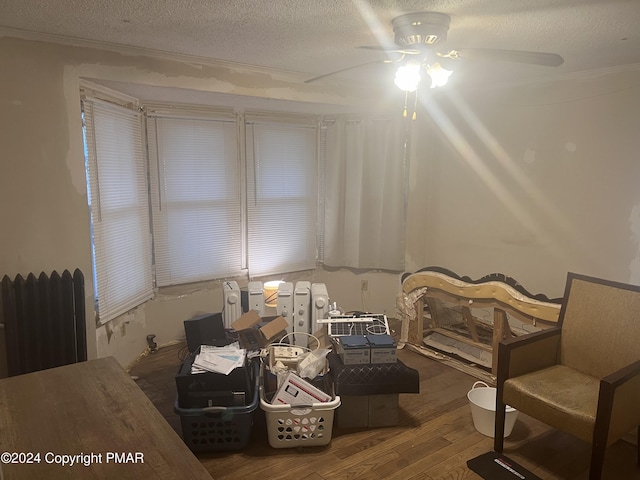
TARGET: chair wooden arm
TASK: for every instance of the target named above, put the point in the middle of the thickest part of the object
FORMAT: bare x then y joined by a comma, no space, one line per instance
517,356
527,353
619,395
623,375
617,400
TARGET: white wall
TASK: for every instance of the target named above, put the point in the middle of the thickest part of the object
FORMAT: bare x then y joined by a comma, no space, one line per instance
531,182
44,220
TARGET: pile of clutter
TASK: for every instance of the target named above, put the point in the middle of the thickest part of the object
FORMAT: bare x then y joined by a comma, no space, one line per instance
299,375
219,359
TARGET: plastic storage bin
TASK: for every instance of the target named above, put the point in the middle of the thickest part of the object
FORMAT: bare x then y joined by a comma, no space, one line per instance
291,426
211,429
483,410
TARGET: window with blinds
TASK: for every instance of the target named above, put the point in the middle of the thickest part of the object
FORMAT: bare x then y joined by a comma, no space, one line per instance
281,197
195,196
117,181
215,194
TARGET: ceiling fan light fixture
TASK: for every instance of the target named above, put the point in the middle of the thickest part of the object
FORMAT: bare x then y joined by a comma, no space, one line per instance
420,28
408,77
422,35
439,75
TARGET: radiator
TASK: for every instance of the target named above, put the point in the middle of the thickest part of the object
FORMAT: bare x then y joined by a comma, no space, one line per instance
44,321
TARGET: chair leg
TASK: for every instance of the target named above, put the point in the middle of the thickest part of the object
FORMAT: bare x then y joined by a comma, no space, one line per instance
598,450
498,437
638,443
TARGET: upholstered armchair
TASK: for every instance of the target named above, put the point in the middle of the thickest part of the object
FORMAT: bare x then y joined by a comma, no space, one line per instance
582,377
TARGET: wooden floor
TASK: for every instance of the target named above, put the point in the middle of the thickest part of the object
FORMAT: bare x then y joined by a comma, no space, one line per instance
433,440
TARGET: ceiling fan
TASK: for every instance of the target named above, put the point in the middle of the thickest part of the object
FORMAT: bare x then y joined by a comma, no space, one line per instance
420,37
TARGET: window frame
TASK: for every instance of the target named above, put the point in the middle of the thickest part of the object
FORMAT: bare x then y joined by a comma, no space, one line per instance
104,169
94,92
162,182
304,126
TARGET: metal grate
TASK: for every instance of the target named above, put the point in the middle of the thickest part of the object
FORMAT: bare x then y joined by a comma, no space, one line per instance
367,324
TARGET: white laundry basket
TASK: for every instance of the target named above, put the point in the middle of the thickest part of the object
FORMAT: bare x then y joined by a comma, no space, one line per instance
483,410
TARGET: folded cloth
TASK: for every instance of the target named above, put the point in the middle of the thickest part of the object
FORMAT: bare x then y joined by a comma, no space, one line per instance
495,466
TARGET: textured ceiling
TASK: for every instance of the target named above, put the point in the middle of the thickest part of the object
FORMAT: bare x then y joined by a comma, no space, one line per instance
319,36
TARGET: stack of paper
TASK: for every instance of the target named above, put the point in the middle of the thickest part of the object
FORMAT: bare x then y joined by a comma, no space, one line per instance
219,359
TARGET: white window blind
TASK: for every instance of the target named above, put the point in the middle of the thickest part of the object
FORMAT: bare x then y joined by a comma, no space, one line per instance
195,196
119,208
281,197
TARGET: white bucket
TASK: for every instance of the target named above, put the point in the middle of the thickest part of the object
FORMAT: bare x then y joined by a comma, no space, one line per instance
483,410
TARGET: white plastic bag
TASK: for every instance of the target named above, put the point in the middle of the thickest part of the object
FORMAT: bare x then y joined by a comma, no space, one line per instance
313,363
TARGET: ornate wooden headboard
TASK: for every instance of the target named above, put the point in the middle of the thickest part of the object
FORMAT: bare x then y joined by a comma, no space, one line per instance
433,293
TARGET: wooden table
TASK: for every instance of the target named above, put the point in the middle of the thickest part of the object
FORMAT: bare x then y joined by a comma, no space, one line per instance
91,413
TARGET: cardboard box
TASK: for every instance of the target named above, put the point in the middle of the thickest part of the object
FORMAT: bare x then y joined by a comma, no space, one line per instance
383,348
256,332
321,340
353,349
297,391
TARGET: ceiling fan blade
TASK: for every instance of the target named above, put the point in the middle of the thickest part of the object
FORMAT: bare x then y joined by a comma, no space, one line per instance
344,70
519,56
380,48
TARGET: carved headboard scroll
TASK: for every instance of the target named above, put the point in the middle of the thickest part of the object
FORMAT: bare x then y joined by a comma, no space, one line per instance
504,295
496,287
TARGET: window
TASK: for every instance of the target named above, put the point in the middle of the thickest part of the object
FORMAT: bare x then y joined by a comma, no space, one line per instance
195,191
214,196
281,197
118,198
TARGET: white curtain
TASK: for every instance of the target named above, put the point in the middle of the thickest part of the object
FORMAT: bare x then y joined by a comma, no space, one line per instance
364,193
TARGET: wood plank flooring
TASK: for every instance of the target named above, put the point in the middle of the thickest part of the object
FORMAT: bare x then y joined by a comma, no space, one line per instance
433,440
